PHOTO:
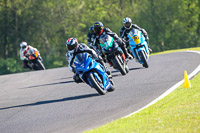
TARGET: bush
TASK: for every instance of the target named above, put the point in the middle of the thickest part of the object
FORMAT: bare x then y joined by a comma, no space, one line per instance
9,66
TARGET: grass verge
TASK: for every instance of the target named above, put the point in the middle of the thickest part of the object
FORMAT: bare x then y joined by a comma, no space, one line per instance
177,112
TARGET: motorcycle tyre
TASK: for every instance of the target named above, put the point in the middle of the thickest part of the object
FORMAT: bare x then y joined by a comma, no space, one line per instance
40,65
143,58
127,69
96,85
118,65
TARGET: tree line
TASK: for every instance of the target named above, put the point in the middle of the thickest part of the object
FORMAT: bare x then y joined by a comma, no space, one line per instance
46,25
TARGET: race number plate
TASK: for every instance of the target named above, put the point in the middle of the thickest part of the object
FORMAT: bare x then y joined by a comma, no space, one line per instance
136,39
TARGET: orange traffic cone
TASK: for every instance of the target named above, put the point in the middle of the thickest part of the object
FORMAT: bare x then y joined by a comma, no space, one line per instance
186,81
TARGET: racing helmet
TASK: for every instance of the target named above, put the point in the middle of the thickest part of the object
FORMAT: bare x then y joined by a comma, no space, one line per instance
23,45
71,43
98,27
127,22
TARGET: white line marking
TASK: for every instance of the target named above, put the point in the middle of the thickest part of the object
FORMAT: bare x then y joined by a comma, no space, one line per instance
170,89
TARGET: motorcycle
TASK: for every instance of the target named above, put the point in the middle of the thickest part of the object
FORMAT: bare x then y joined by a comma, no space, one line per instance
93,73
114,53
138,47
35,61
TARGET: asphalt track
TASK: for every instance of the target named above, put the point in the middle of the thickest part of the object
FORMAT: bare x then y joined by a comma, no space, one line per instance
50,102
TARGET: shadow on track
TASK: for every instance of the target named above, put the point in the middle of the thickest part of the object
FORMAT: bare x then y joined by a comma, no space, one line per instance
65,82
53,101
132,69
65,78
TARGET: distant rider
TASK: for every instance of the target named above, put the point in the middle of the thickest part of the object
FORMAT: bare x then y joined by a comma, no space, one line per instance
127,27
25,51
99,30
73,49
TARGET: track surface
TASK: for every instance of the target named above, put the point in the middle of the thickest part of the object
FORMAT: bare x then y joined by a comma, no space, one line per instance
49,101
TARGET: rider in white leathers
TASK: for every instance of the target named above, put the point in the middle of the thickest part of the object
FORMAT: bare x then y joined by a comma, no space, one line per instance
73,49
25,51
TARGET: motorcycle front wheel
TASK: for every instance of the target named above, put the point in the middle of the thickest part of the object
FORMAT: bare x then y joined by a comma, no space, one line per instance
143,58
40,65
127,69
98,85
119,64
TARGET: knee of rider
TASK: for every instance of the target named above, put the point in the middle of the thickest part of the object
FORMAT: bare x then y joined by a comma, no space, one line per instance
127,44
23,65
119,41
100,58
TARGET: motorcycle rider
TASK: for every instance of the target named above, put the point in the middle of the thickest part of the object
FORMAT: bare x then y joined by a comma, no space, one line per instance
99,30
73,49
25,51
127,27
91,35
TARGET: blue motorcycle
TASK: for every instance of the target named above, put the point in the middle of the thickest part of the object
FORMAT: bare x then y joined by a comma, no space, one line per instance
139,47
93,73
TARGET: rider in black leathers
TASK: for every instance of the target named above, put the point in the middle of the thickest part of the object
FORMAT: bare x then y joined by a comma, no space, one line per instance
127,27
99,29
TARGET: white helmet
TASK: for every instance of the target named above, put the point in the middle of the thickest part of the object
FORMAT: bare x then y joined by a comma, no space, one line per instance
127,22
23,45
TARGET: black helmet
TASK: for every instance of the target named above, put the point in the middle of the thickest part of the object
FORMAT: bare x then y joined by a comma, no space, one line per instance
98,27
71,43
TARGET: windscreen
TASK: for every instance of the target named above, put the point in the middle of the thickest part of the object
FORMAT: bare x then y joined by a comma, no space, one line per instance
79,58
106,41
134,34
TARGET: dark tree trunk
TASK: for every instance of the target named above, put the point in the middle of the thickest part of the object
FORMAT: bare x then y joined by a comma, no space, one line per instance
5,43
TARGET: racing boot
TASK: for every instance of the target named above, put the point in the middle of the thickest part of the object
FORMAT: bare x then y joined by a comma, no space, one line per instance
77,78
26,65
127,55
108,72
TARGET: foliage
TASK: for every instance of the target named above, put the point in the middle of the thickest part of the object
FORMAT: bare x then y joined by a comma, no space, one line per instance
9,66
46,24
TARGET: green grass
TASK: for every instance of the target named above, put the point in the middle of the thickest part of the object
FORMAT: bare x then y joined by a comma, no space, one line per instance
178,112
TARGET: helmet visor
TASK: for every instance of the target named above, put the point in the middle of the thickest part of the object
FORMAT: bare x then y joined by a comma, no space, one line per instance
71,47
23,47
97,29
127,25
